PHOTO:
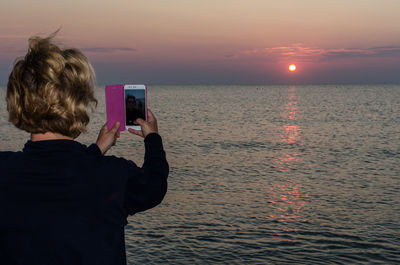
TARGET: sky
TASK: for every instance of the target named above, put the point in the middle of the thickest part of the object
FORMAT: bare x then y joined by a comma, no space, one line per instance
215,41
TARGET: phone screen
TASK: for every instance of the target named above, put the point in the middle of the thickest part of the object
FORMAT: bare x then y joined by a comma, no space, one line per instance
135,105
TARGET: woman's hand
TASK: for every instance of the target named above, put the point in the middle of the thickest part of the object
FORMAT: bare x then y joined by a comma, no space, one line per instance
107,138
149,126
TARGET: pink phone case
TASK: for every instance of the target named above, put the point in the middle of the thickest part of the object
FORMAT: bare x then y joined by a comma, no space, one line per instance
115,106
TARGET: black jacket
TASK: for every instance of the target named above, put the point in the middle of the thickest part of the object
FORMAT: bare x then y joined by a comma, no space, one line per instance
64,203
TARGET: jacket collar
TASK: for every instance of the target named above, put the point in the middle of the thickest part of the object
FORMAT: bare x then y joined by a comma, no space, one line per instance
60,145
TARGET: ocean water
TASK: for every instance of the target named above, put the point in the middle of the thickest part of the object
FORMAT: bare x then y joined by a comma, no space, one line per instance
266,174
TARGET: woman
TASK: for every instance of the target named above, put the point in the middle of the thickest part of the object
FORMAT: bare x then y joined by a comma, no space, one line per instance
63,202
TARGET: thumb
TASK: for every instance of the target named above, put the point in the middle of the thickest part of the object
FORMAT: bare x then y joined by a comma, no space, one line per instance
115,128
139,121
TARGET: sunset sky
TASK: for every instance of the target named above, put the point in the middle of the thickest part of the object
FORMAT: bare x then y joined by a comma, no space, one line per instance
215,41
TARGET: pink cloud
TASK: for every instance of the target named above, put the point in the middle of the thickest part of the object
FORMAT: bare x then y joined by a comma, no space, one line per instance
303,53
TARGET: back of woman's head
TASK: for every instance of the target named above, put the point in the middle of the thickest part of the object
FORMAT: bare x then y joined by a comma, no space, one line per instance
51,89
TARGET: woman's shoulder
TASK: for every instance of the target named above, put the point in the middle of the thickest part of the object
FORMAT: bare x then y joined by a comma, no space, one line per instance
8,161
7,156
109,162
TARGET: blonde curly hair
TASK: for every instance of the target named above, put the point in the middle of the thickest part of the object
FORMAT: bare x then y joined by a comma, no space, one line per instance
51,89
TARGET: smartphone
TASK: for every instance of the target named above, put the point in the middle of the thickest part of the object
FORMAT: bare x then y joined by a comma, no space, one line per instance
115,106
135,105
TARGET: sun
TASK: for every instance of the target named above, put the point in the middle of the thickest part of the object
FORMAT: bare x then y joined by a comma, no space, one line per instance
292,68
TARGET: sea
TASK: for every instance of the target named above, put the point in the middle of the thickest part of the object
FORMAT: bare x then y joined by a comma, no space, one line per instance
302,174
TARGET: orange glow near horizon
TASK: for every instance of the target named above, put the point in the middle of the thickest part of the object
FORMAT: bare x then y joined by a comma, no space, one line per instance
292,68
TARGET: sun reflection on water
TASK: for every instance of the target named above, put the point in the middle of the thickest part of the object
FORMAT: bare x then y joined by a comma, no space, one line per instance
291,134
287,199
